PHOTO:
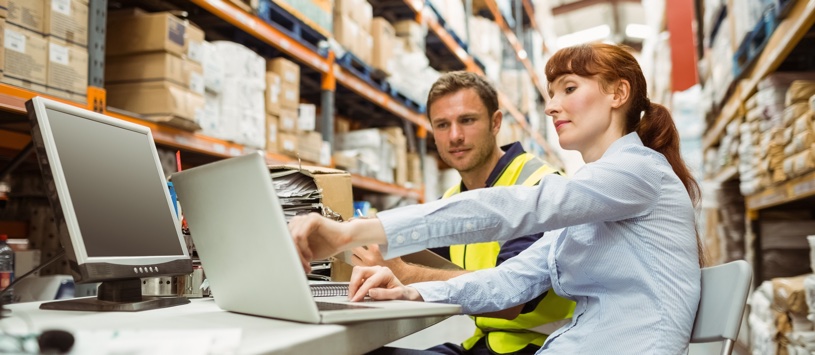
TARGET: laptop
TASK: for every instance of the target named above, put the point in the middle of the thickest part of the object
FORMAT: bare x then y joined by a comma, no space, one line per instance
250,260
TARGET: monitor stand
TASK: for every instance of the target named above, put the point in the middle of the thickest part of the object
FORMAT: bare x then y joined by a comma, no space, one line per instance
116,296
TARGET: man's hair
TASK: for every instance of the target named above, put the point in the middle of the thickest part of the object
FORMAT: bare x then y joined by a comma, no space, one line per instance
455,81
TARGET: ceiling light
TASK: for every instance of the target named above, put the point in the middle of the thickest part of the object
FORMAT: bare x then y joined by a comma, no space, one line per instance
584,36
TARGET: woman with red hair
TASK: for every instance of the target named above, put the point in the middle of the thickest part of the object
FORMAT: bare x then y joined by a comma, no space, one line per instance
621,238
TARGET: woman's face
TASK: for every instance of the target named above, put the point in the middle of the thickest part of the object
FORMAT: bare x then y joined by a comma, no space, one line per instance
581,112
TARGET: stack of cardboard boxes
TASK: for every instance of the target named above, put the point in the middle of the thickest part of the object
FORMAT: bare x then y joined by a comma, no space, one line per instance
45,46
282,102
153,67
380,153
352,27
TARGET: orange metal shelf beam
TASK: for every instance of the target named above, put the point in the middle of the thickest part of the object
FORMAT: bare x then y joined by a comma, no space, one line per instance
372,184
530,12
263,31
520,52
378,97
12,99
274,37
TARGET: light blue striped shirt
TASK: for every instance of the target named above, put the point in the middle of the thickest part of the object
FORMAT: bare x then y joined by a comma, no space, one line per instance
627,254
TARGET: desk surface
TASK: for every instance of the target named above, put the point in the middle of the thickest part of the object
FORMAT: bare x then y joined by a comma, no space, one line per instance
258,335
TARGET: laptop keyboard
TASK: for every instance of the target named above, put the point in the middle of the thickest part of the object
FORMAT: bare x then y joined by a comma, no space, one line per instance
327,306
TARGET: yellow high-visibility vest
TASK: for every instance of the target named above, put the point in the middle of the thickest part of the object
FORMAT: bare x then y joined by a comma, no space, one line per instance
507,336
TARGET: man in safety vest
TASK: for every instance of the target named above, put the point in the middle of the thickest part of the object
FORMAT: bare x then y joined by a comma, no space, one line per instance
463,111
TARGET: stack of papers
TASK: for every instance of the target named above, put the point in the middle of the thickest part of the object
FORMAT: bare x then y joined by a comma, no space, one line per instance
298,194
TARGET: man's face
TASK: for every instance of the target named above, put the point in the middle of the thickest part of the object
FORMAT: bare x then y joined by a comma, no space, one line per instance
463,130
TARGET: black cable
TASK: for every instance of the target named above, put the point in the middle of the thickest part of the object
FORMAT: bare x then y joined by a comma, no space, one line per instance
38,268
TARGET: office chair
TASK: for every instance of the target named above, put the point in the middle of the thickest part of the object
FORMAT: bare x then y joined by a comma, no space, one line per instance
724,295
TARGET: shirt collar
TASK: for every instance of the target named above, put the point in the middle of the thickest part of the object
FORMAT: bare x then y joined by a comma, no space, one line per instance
620,143
511,151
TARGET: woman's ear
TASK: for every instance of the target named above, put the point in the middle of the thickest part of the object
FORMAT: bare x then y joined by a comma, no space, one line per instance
622,92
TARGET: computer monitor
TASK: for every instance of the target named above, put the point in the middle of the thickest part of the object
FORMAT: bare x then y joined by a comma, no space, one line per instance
111,204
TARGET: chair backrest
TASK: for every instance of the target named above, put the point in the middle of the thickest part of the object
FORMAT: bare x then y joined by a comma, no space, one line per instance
724,295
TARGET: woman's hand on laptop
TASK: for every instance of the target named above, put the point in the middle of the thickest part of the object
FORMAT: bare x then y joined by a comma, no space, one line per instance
317,237
379,283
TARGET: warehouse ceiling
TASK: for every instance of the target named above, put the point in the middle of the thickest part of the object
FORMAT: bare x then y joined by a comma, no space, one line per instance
598,20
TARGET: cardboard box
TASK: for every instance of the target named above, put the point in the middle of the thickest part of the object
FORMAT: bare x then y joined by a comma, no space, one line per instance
309,145
67,67
307,117
344,7
287,143
195,43
155,66
25,58
160,101
67,19
346,32
363,14
414,166
3,8
271,134
289,96
384,37
28,14
138,32
273,93
2,46
288,120
289,71
335,184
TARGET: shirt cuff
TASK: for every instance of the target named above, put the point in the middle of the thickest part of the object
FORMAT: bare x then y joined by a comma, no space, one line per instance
433,291
406,231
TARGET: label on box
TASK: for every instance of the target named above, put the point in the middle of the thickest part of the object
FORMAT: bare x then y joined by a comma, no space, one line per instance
176,31
290,95
272,133
61,6
291,77
197,83
15,41
58,54
196,52
325,153
288,123
288,145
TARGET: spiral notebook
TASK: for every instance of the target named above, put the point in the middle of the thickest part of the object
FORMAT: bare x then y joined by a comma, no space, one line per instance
328,288
251,262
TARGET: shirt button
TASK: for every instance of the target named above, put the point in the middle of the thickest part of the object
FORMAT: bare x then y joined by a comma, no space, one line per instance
400,239
468,226
415,235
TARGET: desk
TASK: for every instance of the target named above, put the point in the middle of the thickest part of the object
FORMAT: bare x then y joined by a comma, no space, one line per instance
258,335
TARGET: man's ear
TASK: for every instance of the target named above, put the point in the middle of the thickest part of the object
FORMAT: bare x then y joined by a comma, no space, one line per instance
622,92
497,118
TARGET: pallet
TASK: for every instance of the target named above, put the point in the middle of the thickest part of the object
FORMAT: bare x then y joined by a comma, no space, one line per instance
447,28
404,100
362,70
755,41
278,17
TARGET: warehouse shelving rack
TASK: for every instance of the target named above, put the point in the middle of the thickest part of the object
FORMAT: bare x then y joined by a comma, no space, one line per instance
328,76
795,193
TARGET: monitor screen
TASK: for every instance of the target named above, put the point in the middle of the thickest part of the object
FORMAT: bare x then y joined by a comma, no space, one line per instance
111,204
115,189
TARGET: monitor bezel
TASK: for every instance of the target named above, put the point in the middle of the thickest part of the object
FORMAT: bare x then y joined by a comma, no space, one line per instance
100,268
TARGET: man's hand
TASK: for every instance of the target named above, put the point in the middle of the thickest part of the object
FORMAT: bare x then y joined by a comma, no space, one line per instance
317,237
371,256
379,283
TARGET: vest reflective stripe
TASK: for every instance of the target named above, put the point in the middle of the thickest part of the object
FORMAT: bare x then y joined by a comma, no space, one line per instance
507,336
